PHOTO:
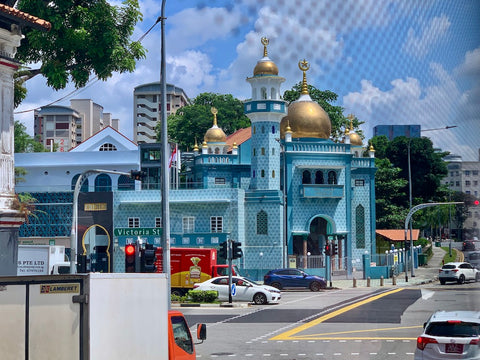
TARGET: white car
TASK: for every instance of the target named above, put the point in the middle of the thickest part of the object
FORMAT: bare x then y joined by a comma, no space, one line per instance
458,272
243,289
450,335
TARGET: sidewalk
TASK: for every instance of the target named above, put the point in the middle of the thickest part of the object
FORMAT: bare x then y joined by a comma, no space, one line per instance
423,275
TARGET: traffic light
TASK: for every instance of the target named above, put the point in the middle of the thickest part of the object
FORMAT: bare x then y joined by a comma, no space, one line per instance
137,174
328,249
335,249
130,258
236,250
476,202
407,245
147,261
223,252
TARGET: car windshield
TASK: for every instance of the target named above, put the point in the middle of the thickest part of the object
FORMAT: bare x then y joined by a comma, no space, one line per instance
250,280
453,329
448,266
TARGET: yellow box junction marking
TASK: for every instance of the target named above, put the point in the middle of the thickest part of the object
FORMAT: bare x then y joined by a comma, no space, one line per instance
290,335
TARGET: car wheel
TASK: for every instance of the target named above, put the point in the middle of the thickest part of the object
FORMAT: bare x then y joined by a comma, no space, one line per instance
259,299
315,286
277,285
177,292
442,282
461,279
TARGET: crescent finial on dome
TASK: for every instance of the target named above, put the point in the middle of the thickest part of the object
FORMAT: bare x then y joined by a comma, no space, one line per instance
304,66
265,42
214,111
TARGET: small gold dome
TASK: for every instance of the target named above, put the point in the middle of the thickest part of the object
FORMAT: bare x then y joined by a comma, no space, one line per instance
215,134
265,66
355,139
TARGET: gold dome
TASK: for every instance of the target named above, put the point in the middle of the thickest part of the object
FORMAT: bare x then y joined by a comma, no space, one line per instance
215,134
305,116
265,66
355,139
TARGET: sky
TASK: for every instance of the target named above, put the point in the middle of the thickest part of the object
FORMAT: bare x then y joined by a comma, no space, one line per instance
389,61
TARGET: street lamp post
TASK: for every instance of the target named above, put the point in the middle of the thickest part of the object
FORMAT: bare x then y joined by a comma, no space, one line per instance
410,200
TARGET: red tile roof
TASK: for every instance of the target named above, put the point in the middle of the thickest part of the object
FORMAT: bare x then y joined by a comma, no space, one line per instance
239,137
398,235
13,13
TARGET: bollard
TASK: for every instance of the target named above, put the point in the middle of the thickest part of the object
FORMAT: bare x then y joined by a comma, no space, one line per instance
354,282
381,280
394,280
368,281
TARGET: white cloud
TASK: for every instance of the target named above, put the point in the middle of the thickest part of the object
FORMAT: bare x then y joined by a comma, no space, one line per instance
470,65
432,107
191,70
430,34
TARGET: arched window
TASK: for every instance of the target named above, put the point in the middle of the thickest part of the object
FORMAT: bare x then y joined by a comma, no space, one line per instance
263,173
103,182
273,151
273,174
306,177
263,151
217,150
360,226
107,147
253,174
125,183
332,177
263,129
273,129
254,152
254,129
319,177
84,187
262,223
264,94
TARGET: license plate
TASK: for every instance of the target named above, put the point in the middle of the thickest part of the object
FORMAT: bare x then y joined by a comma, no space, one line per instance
454,348
446,271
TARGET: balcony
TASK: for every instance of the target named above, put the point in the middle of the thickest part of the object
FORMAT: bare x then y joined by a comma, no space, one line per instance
324,191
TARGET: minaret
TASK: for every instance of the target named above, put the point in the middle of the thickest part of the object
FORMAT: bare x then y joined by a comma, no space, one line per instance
265,109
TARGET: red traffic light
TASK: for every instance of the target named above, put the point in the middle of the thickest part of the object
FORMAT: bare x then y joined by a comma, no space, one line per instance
129,250
476,202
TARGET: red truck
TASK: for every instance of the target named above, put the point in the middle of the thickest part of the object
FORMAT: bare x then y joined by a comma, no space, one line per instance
190,266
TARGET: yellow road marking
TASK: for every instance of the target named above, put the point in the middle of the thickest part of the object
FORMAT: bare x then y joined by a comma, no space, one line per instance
289,335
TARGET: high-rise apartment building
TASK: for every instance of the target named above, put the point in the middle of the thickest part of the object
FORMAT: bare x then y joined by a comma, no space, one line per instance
147,109
464,176
69,126
57,125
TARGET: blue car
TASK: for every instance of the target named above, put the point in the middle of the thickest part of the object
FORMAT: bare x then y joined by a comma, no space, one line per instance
294,279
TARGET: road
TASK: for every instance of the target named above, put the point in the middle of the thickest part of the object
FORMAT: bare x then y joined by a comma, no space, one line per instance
357,323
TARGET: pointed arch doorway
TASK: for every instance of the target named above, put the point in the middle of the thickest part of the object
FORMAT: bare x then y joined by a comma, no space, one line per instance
313,241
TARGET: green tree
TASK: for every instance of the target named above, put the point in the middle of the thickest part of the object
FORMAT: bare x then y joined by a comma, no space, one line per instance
325,99
192,121
25,143
389,194
426,165
86,37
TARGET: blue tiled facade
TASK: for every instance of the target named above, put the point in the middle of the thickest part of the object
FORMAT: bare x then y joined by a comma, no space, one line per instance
280,198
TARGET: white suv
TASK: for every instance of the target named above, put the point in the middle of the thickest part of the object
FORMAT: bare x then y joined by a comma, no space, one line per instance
450,335
458,272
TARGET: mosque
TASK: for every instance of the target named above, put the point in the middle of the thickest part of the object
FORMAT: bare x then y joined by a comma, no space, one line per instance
282,188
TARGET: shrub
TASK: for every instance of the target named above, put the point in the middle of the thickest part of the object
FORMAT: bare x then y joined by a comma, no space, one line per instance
202,296
178,298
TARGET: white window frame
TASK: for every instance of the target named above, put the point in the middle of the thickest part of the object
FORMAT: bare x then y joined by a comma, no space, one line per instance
188,224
